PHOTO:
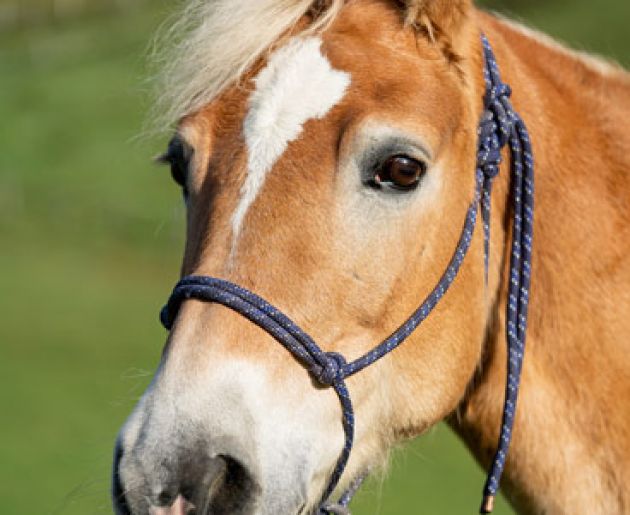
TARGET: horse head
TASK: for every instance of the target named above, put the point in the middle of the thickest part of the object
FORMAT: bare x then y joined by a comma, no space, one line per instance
327,162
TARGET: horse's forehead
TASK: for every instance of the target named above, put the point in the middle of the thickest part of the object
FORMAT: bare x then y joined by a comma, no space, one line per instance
304,79
305,76
296,85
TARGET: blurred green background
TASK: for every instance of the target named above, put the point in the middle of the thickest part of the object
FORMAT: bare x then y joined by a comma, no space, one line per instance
90,242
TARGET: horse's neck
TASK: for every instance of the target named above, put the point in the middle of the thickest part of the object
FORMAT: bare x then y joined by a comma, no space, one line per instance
571,445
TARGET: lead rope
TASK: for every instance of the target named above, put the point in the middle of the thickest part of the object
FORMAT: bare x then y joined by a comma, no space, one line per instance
512,130
499,125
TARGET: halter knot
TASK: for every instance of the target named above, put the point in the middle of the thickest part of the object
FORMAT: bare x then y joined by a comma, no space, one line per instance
495,128
502,89
498,94
331,371
496,123
489,158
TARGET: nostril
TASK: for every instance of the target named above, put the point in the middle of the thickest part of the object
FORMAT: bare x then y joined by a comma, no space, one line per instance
198,478
221,485
234,491
118,492
236,475
166,498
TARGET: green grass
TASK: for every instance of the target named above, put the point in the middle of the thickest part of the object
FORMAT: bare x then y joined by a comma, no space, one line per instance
91,236
598,27
90,241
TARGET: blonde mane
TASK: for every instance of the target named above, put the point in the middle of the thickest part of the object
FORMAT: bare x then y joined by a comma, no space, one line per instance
213,42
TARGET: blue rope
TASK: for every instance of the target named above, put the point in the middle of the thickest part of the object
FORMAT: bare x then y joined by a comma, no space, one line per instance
511,131
499,126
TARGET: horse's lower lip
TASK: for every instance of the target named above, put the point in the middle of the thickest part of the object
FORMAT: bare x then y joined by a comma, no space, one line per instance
179,507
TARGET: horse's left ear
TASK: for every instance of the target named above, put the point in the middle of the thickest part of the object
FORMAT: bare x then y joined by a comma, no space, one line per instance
442,21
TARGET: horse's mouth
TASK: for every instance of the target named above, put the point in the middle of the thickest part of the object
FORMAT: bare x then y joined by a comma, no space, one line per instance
180,507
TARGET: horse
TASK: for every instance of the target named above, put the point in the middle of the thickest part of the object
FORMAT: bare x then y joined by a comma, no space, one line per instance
326,151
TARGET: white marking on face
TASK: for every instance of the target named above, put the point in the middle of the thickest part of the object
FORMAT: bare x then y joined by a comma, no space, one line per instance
297,84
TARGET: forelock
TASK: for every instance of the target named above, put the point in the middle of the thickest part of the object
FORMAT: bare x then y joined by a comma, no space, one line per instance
211,43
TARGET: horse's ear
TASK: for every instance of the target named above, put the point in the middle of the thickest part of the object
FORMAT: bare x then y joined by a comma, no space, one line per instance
442,21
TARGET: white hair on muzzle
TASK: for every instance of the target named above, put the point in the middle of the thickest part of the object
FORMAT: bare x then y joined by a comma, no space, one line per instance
213,42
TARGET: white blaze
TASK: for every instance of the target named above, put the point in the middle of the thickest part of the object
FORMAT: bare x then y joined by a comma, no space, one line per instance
297,84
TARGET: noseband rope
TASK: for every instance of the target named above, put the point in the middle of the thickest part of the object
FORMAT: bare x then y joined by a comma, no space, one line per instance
499,126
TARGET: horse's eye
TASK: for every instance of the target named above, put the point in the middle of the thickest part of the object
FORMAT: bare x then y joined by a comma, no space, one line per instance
177,157
399,172
178,172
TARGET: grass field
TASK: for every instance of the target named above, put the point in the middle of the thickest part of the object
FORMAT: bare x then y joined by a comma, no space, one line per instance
90,241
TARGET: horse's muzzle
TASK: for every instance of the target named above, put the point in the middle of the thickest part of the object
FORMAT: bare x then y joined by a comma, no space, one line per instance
195,482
